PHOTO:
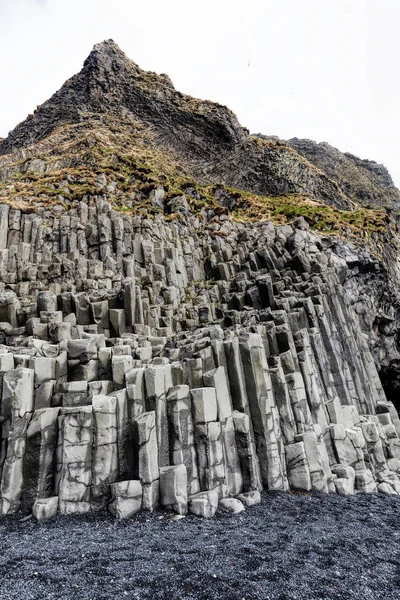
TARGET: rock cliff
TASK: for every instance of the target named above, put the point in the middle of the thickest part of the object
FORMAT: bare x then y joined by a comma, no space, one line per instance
188,314
364,181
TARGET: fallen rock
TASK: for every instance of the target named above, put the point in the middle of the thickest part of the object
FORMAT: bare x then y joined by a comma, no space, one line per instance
126,498
45,508
204,504
250,498
232,505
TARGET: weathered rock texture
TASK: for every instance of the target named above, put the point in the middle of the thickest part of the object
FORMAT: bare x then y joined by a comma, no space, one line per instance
364,181
187,358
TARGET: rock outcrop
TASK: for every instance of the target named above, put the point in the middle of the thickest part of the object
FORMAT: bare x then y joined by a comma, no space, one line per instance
364,181
154,349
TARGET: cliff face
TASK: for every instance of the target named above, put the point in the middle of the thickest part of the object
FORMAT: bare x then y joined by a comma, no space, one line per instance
364,181
170,335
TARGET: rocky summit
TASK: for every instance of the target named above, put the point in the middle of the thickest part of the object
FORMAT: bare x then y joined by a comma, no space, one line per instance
189,314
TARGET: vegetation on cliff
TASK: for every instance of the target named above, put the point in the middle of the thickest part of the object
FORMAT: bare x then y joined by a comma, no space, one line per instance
121,161
127,135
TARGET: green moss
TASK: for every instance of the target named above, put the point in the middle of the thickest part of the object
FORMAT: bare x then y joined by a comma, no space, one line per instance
359,223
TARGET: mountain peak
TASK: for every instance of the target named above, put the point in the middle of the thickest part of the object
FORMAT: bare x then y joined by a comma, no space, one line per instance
108,55
108,83
106,45
206,136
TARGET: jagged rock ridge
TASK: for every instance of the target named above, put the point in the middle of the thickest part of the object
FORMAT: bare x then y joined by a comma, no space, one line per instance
365,181
186,359
207,136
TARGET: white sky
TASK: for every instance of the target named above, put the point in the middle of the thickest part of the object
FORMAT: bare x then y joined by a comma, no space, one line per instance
320,69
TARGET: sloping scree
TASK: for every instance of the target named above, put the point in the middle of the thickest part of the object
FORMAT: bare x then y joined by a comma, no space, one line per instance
291,547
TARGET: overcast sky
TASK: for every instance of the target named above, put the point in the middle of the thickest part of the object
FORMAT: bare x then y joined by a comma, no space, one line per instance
327,70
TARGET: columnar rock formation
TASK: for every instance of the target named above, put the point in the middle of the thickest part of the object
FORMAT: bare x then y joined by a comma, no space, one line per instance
157,347
143,364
